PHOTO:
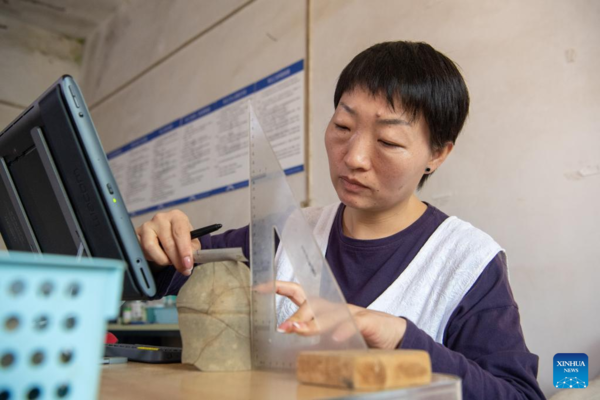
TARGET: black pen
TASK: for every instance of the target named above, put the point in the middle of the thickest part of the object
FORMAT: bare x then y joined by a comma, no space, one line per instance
196,233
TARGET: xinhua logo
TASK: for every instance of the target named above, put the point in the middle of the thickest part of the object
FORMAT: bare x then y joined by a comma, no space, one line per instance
570,370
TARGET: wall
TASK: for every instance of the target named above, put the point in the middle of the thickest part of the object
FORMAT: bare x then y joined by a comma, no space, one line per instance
150,64
31,60
525,168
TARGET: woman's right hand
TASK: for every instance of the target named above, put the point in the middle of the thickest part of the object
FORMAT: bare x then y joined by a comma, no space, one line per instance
166,240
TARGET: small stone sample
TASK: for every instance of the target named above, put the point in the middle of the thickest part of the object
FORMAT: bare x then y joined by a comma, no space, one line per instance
214,317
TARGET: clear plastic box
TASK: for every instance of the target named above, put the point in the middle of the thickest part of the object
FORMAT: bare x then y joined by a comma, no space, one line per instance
53,314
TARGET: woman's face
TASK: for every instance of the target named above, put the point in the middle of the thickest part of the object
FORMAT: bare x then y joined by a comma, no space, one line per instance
377,156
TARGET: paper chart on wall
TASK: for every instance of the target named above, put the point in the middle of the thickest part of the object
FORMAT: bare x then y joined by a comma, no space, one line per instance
206,152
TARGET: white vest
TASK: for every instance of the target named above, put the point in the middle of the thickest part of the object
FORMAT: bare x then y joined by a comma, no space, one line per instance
431,286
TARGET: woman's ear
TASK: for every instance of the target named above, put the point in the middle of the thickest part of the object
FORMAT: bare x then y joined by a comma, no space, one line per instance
439,155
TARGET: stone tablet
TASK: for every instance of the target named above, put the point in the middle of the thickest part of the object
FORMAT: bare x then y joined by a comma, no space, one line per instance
214,317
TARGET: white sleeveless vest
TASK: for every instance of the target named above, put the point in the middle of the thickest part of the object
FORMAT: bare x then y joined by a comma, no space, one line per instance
431,286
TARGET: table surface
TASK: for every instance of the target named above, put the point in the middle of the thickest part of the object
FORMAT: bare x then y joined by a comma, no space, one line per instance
133,381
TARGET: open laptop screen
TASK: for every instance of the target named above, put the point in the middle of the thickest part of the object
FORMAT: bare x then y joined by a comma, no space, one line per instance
57,192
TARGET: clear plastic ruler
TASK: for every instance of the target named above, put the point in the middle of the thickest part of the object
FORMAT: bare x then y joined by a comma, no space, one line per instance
276,216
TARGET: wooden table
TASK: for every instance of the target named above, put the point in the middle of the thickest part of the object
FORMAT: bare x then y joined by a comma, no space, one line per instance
133,381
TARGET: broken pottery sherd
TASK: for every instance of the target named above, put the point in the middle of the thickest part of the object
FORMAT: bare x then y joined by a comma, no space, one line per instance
214,317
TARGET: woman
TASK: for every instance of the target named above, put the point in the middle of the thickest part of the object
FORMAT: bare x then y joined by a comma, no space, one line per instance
414,277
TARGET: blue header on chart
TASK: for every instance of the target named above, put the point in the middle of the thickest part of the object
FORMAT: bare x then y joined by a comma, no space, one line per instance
225,101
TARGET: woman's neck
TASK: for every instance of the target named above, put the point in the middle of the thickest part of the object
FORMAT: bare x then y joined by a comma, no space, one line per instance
368,224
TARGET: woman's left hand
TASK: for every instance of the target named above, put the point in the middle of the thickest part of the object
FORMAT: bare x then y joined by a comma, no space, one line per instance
380,330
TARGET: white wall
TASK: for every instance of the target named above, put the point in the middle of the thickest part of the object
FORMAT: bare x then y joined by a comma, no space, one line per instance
141,34
149,65
532,70
31,59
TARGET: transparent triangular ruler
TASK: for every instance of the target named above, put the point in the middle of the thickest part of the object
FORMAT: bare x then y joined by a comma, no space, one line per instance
275,215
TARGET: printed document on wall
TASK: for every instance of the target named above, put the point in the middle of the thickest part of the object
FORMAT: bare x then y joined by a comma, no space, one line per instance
206,152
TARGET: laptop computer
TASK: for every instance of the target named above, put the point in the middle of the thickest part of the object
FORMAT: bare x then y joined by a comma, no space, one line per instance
57,192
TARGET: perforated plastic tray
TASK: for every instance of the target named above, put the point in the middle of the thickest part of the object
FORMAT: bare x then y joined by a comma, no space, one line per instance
53,313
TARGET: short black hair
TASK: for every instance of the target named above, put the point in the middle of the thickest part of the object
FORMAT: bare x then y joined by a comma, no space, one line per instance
421,79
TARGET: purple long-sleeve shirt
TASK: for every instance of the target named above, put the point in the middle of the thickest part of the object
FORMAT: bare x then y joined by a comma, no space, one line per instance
483,342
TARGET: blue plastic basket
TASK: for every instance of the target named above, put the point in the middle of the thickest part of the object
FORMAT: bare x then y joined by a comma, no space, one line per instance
53,313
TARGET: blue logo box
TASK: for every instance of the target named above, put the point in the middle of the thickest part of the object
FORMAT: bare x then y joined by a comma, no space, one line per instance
571,370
